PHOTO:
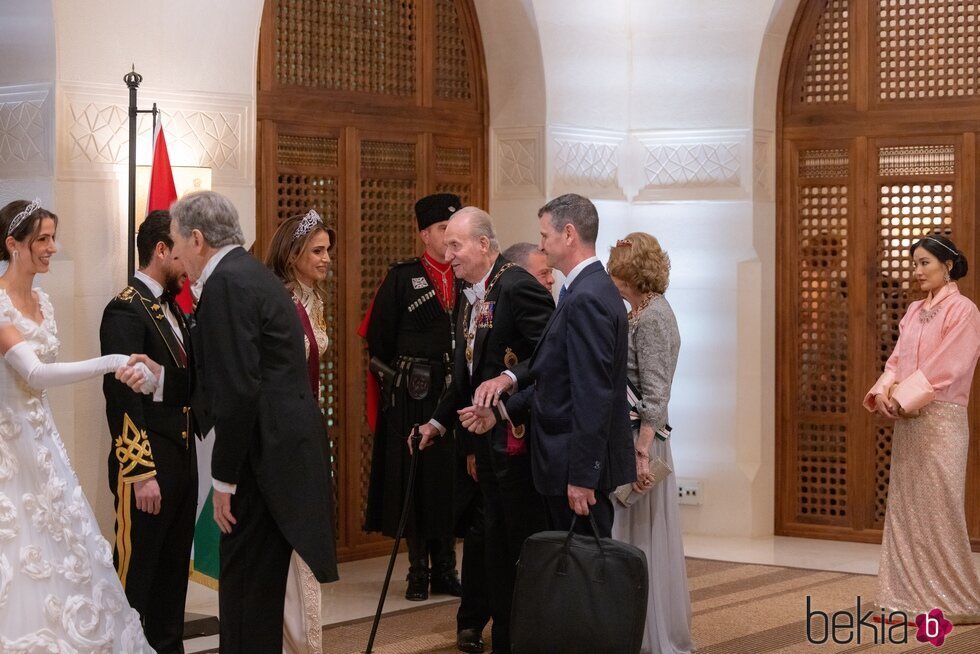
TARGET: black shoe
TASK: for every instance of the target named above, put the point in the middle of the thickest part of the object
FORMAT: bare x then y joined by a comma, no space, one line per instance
418,586
469,640
447,583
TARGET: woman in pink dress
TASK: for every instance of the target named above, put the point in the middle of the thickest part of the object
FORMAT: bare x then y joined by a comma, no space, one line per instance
925,549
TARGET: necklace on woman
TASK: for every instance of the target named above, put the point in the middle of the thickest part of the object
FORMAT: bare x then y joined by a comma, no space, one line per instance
634,315
925,315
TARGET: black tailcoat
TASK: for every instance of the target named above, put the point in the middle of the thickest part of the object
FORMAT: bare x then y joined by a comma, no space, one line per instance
253,389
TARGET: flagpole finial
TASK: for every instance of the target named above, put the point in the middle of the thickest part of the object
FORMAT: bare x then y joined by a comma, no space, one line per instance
133,78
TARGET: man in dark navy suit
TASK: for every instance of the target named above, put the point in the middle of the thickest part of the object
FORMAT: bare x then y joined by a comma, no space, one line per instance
581,443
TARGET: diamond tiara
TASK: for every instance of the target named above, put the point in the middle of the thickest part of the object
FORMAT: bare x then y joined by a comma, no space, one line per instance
23,215
308,224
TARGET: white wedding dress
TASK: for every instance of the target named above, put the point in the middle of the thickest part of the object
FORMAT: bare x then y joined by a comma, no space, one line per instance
59,593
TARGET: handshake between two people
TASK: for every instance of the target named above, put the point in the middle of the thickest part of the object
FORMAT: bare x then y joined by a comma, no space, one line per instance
478,418
141,373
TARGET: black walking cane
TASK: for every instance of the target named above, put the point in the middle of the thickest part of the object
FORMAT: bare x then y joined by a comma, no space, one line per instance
416,438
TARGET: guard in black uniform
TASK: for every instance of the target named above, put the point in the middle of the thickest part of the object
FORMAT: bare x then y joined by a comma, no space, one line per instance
410,329
152,460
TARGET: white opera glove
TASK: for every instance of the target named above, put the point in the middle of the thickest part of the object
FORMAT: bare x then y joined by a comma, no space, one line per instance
149,385
39,376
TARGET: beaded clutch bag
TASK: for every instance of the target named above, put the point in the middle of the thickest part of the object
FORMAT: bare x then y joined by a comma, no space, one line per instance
627,495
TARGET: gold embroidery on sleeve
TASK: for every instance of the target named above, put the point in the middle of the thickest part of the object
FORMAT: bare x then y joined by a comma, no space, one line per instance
133,450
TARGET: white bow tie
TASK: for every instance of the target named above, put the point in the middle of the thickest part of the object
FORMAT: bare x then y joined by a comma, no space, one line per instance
475,293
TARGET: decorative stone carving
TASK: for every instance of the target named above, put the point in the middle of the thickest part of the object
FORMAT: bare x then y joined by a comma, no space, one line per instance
212,136
25,125
587,162
684,164
518,165
211,130
98,133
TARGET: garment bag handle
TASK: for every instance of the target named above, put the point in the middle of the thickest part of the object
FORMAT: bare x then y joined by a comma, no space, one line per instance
599,572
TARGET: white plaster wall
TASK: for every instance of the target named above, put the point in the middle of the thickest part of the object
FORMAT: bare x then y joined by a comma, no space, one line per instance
692,94
27,47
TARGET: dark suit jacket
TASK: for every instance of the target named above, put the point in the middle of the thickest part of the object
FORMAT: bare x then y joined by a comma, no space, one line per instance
254,390
579,419
134,322
521,310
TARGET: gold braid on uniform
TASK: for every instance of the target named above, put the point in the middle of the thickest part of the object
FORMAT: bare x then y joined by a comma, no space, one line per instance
127,294
133,453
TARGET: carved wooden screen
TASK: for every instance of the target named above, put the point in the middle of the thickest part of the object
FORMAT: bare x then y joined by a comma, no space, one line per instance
363,107
878,127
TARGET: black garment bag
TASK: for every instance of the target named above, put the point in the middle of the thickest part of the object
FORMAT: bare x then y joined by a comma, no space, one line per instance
579,595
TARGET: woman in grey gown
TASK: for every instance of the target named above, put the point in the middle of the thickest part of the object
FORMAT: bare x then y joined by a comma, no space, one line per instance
640,269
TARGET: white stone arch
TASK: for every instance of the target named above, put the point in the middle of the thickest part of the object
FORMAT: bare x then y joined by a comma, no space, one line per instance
517,93
755,394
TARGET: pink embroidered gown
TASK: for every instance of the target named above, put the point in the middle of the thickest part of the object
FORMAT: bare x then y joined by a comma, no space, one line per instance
925,551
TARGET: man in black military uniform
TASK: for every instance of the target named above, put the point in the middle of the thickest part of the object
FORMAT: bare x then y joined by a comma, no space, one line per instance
152,460
410,329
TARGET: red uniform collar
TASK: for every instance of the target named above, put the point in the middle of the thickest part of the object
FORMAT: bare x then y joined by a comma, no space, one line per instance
441,267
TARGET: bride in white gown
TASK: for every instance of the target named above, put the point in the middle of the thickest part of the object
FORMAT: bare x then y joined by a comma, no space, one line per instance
59,593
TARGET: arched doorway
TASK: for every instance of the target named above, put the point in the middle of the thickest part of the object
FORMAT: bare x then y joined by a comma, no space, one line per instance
363,107
877,136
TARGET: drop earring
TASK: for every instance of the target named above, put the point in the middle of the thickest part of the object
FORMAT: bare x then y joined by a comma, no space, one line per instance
946,277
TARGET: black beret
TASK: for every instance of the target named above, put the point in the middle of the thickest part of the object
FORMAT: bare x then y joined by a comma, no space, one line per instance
435,208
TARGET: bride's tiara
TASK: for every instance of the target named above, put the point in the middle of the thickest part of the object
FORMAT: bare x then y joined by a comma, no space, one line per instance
23,215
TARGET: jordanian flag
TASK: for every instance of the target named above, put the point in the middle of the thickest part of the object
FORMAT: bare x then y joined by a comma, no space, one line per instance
205,558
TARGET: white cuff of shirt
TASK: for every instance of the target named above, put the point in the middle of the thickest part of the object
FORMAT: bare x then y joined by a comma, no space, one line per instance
502,408
513,379
158,393
224,486
435,423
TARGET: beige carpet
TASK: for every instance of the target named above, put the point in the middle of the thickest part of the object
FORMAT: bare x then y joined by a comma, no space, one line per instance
738,609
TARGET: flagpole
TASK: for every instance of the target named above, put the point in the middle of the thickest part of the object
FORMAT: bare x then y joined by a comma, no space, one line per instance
133,79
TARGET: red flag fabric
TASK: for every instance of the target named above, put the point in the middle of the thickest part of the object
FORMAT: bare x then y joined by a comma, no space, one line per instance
163,193
373,392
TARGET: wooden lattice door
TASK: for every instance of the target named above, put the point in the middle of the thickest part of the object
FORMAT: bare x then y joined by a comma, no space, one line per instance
363,107
878,132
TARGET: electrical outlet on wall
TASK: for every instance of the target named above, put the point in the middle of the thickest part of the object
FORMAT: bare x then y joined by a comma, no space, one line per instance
689,491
